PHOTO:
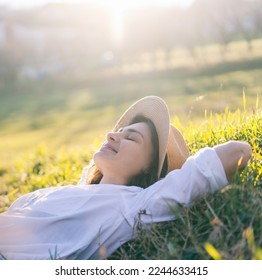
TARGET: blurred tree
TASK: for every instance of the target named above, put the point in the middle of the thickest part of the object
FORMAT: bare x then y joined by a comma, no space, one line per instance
257,16
244,23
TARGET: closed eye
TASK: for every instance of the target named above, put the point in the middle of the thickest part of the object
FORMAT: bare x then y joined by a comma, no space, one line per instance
130,138
131,134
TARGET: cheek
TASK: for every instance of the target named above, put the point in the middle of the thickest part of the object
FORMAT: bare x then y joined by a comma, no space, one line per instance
137,158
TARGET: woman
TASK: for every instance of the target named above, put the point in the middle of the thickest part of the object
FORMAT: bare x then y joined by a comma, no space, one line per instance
141,172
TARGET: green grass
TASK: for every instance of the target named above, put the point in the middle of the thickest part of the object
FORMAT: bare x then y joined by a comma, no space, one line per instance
224,225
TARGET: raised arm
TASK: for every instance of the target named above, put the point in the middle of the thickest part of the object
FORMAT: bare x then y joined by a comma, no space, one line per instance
234,156
209,170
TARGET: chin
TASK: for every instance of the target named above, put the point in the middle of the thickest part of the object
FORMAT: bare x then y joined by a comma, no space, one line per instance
100,160
97,157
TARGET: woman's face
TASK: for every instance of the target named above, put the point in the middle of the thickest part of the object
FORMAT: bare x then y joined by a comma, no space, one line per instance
126,154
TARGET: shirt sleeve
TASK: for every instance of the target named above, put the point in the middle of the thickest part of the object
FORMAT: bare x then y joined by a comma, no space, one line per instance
201,174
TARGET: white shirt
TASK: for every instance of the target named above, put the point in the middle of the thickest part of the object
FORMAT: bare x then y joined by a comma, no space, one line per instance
92,221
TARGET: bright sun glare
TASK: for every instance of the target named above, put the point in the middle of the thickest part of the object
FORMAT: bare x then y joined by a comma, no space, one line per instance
117,7
117,17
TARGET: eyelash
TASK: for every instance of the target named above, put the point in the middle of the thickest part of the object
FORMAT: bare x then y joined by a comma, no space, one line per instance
130,139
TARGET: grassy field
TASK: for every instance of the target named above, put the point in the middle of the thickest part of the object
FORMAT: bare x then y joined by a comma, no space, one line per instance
50,128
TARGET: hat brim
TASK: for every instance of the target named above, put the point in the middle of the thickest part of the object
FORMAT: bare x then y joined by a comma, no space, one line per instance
177,149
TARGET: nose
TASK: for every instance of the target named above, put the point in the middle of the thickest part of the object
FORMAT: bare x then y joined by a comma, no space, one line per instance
113,136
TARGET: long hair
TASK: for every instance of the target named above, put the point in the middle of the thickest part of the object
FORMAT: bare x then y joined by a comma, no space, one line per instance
144,179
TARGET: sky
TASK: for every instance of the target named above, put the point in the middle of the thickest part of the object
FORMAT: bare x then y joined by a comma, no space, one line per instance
120,3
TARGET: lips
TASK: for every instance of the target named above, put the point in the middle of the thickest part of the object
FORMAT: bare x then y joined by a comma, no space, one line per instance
109,147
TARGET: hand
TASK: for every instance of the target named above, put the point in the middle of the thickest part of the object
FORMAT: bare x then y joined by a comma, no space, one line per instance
234,156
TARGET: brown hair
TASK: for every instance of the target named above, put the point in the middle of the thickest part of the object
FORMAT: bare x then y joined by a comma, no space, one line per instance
143,179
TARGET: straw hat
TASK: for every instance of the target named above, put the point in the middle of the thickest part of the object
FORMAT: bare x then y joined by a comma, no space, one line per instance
171,142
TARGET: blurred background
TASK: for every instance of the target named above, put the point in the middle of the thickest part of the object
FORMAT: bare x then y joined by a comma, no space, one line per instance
68,69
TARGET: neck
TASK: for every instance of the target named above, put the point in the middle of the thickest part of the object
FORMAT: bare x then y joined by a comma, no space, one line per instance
113,181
